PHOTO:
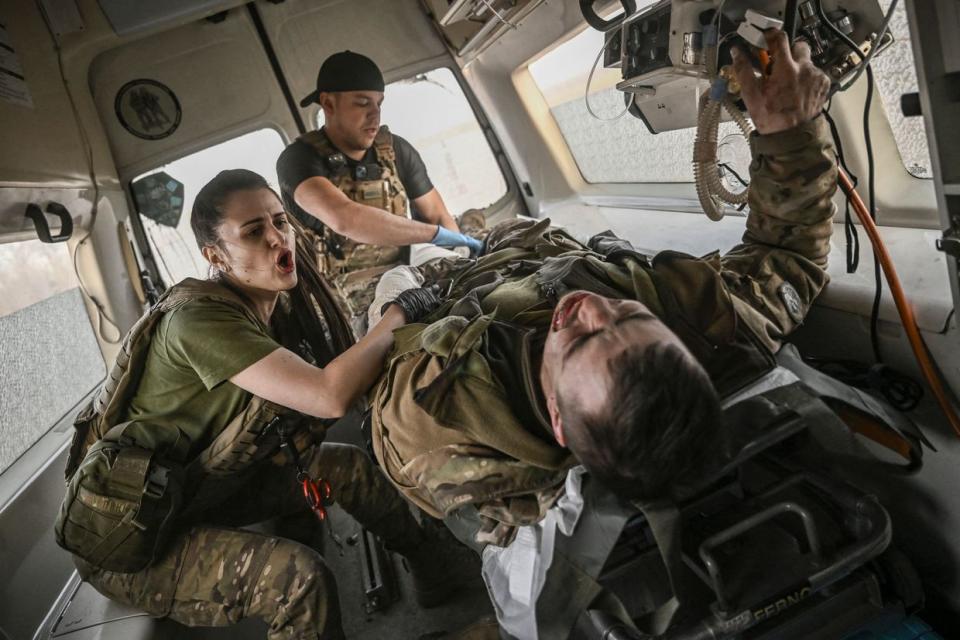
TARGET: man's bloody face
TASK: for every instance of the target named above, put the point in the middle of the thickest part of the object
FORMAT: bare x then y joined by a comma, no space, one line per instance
587,331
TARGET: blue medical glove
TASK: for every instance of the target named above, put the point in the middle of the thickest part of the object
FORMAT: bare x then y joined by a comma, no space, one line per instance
447,238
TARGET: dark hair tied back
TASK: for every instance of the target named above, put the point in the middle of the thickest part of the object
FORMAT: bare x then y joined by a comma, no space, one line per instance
208,207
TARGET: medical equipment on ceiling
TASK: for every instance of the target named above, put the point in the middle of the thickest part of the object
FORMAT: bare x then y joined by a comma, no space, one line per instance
671,51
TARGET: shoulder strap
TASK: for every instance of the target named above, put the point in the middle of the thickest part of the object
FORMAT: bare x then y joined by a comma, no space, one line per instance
383,143
319,141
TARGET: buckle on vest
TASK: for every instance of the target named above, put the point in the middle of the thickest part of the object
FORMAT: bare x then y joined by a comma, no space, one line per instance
157,480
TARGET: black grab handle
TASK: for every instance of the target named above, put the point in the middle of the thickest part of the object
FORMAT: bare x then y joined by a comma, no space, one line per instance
598,23
43,229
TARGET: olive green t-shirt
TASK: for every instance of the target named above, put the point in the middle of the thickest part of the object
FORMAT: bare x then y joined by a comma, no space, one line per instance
185,386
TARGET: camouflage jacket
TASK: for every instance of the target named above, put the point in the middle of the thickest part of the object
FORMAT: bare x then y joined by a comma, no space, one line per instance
457,416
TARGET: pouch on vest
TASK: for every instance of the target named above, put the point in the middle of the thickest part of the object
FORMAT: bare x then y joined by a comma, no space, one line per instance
120,505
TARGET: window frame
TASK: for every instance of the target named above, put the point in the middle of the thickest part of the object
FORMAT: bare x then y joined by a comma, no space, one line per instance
37,458
680,197
904,200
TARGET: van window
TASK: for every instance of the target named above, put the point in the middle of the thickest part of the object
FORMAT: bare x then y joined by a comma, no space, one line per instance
431,112
50,358
895,75
614,149
176,247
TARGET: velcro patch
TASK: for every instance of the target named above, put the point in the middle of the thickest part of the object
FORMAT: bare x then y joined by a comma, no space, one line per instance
791,301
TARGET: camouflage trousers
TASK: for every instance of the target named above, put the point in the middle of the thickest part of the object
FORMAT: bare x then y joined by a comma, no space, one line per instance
214,575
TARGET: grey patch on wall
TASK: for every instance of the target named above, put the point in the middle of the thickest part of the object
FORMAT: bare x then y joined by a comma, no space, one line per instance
49,360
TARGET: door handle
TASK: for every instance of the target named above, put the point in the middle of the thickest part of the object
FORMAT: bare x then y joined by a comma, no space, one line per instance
43,229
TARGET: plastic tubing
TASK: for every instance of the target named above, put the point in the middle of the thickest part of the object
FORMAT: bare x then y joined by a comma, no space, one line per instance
710,189
927,366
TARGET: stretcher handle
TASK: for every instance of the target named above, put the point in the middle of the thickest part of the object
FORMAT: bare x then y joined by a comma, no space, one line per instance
871,526
738,529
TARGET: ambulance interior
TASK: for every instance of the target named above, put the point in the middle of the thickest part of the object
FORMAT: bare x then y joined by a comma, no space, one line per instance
105,102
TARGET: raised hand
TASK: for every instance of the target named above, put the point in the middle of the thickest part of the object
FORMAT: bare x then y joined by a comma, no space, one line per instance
790,91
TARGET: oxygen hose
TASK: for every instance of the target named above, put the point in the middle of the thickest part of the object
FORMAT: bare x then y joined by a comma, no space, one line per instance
927,366
713,195
706,172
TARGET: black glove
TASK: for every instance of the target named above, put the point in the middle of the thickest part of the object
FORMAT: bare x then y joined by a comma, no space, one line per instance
416,303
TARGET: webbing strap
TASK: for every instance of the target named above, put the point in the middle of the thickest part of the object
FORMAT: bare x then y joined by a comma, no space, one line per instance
383,143
663,517
117,536
571,584
861,412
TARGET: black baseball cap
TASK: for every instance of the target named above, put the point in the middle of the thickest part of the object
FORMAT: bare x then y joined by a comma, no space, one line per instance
346,71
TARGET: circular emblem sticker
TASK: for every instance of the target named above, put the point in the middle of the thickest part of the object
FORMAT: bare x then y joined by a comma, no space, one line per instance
147,109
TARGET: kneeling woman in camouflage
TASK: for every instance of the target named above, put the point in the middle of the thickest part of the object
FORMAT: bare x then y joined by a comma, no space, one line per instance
182,442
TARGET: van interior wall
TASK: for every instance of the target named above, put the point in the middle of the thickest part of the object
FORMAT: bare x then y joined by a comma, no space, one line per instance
225,85
397,35
926,506
51,145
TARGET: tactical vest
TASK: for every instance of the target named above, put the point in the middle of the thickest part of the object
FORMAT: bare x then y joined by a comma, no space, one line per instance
241,443
338,254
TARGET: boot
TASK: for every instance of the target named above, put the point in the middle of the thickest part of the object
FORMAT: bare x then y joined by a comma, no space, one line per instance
441,567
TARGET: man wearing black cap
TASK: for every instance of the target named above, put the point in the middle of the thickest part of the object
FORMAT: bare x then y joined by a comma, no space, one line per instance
351,184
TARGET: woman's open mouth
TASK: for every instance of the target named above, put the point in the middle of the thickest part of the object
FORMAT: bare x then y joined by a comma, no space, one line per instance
285,261
565,309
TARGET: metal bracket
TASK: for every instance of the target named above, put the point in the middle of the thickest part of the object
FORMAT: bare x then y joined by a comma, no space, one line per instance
43,229
950,246
378,579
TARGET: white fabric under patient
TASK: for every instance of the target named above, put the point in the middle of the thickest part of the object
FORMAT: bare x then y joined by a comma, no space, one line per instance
515,575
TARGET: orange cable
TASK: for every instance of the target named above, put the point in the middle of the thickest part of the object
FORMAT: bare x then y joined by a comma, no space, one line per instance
927,366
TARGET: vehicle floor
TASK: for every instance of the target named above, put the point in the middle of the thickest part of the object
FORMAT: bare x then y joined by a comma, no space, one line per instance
402,619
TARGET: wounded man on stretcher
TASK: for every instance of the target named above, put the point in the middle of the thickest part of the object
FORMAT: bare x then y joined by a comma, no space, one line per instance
548,353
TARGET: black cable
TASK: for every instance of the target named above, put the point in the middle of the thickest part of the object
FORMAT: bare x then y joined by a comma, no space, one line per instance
875,311
881,34
828,23
849,228
275,66
94,209
899,389
736,175
790,20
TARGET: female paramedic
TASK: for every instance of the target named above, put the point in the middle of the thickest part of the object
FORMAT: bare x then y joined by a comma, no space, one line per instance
184,441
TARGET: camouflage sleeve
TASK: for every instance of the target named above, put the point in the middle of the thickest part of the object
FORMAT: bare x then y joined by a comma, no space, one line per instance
779,268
